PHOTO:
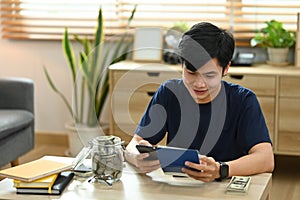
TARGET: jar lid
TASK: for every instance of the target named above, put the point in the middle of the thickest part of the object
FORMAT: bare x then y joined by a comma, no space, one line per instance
107,140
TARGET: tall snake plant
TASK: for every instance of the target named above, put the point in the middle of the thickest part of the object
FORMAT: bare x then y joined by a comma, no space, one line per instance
90,77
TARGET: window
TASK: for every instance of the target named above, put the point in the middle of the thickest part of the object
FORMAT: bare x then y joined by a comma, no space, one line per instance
41,19
250,15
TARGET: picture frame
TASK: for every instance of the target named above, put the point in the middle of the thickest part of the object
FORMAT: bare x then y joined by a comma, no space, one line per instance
148,44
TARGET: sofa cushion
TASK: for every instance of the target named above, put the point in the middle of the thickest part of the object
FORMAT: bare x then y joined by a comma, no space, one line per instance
14,120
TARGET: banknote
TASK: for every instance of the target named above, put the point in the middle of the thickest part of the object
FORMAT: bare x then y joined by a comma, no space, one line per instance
239,184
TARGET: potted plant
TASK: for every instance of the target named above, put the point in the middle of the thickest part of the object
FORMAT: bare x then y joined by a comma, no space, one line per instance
90,81
276,39
172,38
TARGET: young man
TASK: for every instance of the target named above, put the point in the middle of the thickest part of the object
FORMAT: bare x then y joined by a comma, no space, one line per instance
222,120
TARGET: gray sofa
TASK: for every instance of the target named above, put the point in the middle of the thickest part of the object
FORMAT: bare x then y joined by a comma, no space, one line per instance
16,119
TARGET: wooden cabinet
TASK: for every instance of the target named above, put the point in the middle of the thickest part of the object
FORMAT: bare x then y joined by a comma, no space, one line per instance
277,89
132,87
289,115
265,89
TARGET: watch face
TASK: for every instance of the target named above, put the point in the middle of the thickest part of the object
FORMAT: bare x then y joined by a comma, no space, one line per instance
224,169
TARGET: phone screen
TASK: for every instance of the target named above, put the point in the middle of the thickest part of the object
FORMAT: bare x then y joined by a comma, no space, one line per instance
148,149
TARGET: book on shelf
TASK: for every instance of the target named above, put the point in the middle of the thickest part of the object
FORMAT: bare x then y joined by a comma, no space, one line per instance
36,169
45,182
59,185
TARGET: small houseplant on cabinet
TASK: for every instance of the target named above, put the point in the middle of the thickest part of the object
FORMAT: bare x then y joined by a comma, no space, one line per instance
277,40
90,82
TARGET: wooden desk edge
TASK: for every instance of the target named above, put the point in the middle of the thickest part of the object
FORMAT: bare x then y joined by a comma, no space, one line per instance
267,191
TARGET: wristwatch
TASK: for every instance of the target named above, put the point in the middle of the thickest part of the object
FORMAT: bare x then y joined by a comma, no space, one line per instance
224,171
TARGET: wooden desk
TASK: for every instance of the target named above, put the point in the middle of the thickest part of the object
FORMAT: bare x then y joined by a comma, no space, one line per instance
139,186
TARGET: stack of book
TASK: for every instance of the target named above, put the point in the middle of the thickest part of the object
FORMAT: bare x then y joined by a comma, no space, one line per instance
42,176
53,184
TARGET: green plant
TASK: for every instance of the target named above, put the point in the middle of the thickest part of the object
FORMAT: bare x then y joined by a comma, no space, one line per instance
274,35
180,26
90,74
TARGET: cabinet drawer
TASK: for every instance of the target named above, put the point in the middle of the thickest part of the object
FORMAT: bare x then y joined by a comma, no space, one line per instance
149,88
289,118
261,85
129,107
136,79
289,87
289,141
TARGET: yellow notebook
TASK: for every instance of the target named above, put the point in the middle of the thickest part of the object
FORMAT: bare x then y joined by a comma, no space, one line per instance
45,182
34,170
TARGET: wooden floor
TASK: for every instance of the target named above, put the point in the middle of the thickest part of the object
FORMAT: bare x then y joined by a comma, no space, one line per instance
286,177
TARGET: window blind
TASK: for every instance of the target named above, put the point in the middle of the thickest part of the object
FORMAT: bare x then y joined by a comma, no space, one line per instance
242,17
250,15
166,13
42,19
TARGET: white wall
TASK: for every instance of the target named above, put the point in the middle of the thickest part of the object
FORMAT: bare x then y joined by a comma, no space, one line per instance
26,59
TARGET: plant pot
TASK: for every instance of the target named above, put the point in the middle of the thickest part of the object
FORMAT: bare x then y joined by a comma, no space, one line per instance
278,56
79,135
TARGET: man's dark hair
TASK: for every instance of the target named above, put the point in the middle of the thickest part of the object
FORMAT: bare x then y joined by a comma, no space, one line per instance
203,42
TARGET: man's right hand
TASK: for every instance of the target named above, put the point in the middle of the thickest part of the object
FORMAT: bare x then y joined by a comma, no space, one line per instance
135,158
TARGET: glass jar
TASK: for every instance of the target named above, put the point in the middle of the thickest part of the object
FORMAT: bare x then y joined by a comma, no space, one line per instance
107,159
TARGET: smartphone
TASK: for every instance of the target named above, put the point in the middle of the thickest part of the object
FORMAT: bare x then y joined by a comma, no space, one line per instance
148,149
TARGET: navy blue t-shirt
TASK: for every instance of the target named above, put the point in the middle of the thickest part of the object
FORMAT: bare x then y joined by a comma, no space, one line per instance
225,129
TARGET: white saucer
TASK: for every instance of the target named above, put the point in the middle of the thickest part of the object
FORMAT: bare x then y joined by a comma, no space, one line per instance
159,176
